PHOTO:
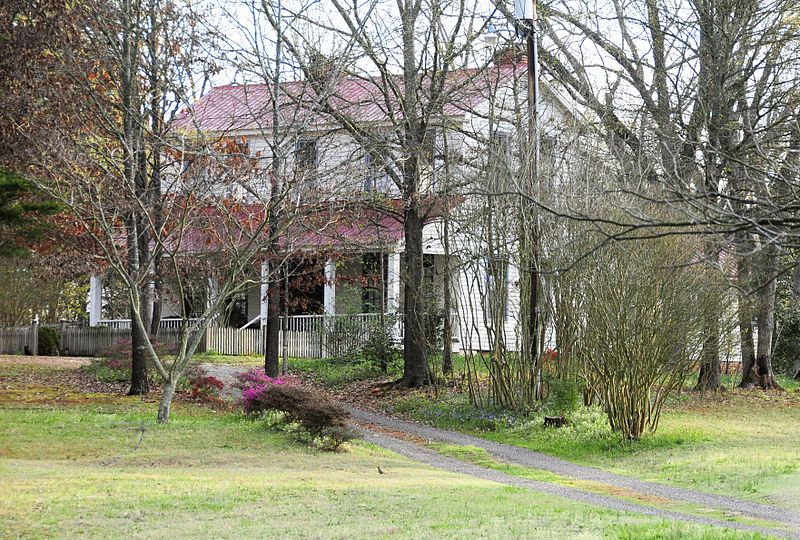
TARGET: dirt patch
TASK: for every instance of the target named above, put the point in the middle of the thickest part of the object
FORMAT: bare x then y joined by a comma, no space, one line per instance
65,362
397,434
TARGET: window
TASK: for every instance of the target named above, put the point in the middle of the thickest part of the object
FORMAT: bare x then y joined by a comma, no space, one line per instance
236,310
373,282
375,175
427,158
194,302
305,155
498,161
499,146
548,158
429,146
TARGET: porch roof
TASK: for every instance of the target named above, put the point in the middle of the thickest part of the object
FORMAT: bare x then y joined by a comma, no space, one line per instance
345,230
329,226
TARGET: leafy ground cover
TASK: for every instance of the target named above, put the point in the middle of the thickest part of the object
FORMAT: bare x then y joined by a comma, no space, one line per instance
94,464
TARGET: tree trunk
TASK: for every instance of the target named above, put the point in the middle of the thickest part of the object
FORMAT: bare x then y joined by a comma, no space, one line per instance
139,339
272,334
447,330
139,355
139,385
748,347
165,404
709,376
745,313
415,362
766,319
158,295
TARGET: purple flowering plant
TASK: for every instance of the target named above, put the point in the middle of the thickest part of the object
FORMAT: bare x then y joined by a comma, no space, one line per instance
255,384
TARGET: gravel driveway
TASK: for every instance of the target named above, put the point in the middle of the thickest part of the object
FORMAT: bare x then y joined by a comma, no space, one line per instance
372,425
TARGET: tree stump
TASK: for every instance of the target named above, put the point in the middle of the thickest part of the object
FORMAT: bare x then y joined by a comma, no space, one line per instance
555,421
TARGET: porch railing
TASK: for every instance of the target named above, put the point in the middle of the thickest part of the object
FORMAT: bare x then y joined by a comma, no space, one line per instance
119,324
308,336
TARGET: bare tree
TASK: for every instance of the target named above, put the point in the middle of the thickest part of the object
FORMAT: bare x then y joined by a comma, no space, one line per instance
406,70
143,193
697,103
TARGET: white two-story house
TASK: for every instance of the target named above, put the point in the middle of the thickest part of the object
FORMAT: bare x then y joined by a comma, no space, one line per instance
354,264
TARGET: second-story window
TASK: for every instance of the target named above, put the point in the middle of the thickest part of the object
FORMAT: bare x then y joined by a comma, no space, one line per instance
429,146
305,155
374,173
500,146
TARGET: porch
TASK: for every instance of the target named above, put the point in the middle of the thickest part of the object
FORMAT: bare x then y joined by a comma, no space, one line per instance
328,300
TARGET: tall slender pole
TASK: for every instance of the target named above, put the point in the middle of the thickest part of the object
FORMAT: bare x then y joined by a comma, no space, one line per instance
533,233
273,330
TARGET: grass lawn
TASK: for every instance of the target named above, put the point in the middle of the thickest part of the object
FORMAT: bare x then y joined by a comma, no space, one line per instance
214,358
741,443
76,468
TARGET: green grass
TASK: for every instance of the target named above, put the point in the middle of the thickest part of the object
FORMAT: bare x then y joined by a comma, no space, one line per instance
483,458
212,357
731,380
336,372
77,470
739,443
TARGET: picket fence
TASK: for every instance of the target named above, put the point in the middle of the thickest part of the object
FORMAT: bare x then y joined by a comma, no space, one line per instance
15,340
308,336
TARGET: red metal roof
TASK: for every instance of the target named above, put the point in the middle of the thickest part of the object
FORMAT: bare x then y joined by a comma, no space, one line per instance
249,107
328,227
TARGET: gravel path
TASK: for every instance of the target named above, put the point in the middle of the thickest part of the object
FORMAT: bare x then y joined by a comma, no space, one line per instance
227,374
536,460
434,459
373,425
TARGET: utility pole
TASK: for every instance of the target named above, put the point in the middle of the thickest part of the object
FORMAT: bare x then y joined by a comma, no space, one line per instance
525,14
277,191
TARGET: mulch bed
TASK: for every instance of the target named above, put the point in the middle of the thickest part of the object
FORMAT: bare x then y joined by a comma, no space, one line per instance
43,384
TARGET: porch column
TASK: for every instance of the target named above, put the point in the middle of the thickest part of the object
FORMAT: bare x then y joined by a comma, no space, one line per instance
330,287
393,289
95,307
211,296
264,287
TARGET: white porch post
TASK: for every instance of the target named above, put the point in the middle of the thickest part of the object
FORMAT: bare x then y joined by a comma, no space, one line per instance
211,295
393,289
330,287
95,307
264,287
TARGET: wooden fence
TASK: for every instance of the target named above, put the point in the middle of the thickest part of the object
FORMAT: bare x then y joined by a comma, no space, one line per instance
308,336
126,323
15,340
88,341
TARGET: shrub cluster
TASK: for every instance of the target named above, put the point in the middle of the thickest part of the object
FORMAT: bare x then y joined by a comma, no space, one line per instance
207,388
200,385
323,422
48,339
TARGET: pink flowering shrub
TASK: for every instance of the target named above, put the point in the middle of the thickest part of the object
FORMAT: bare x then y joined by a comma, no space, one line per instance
255,383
